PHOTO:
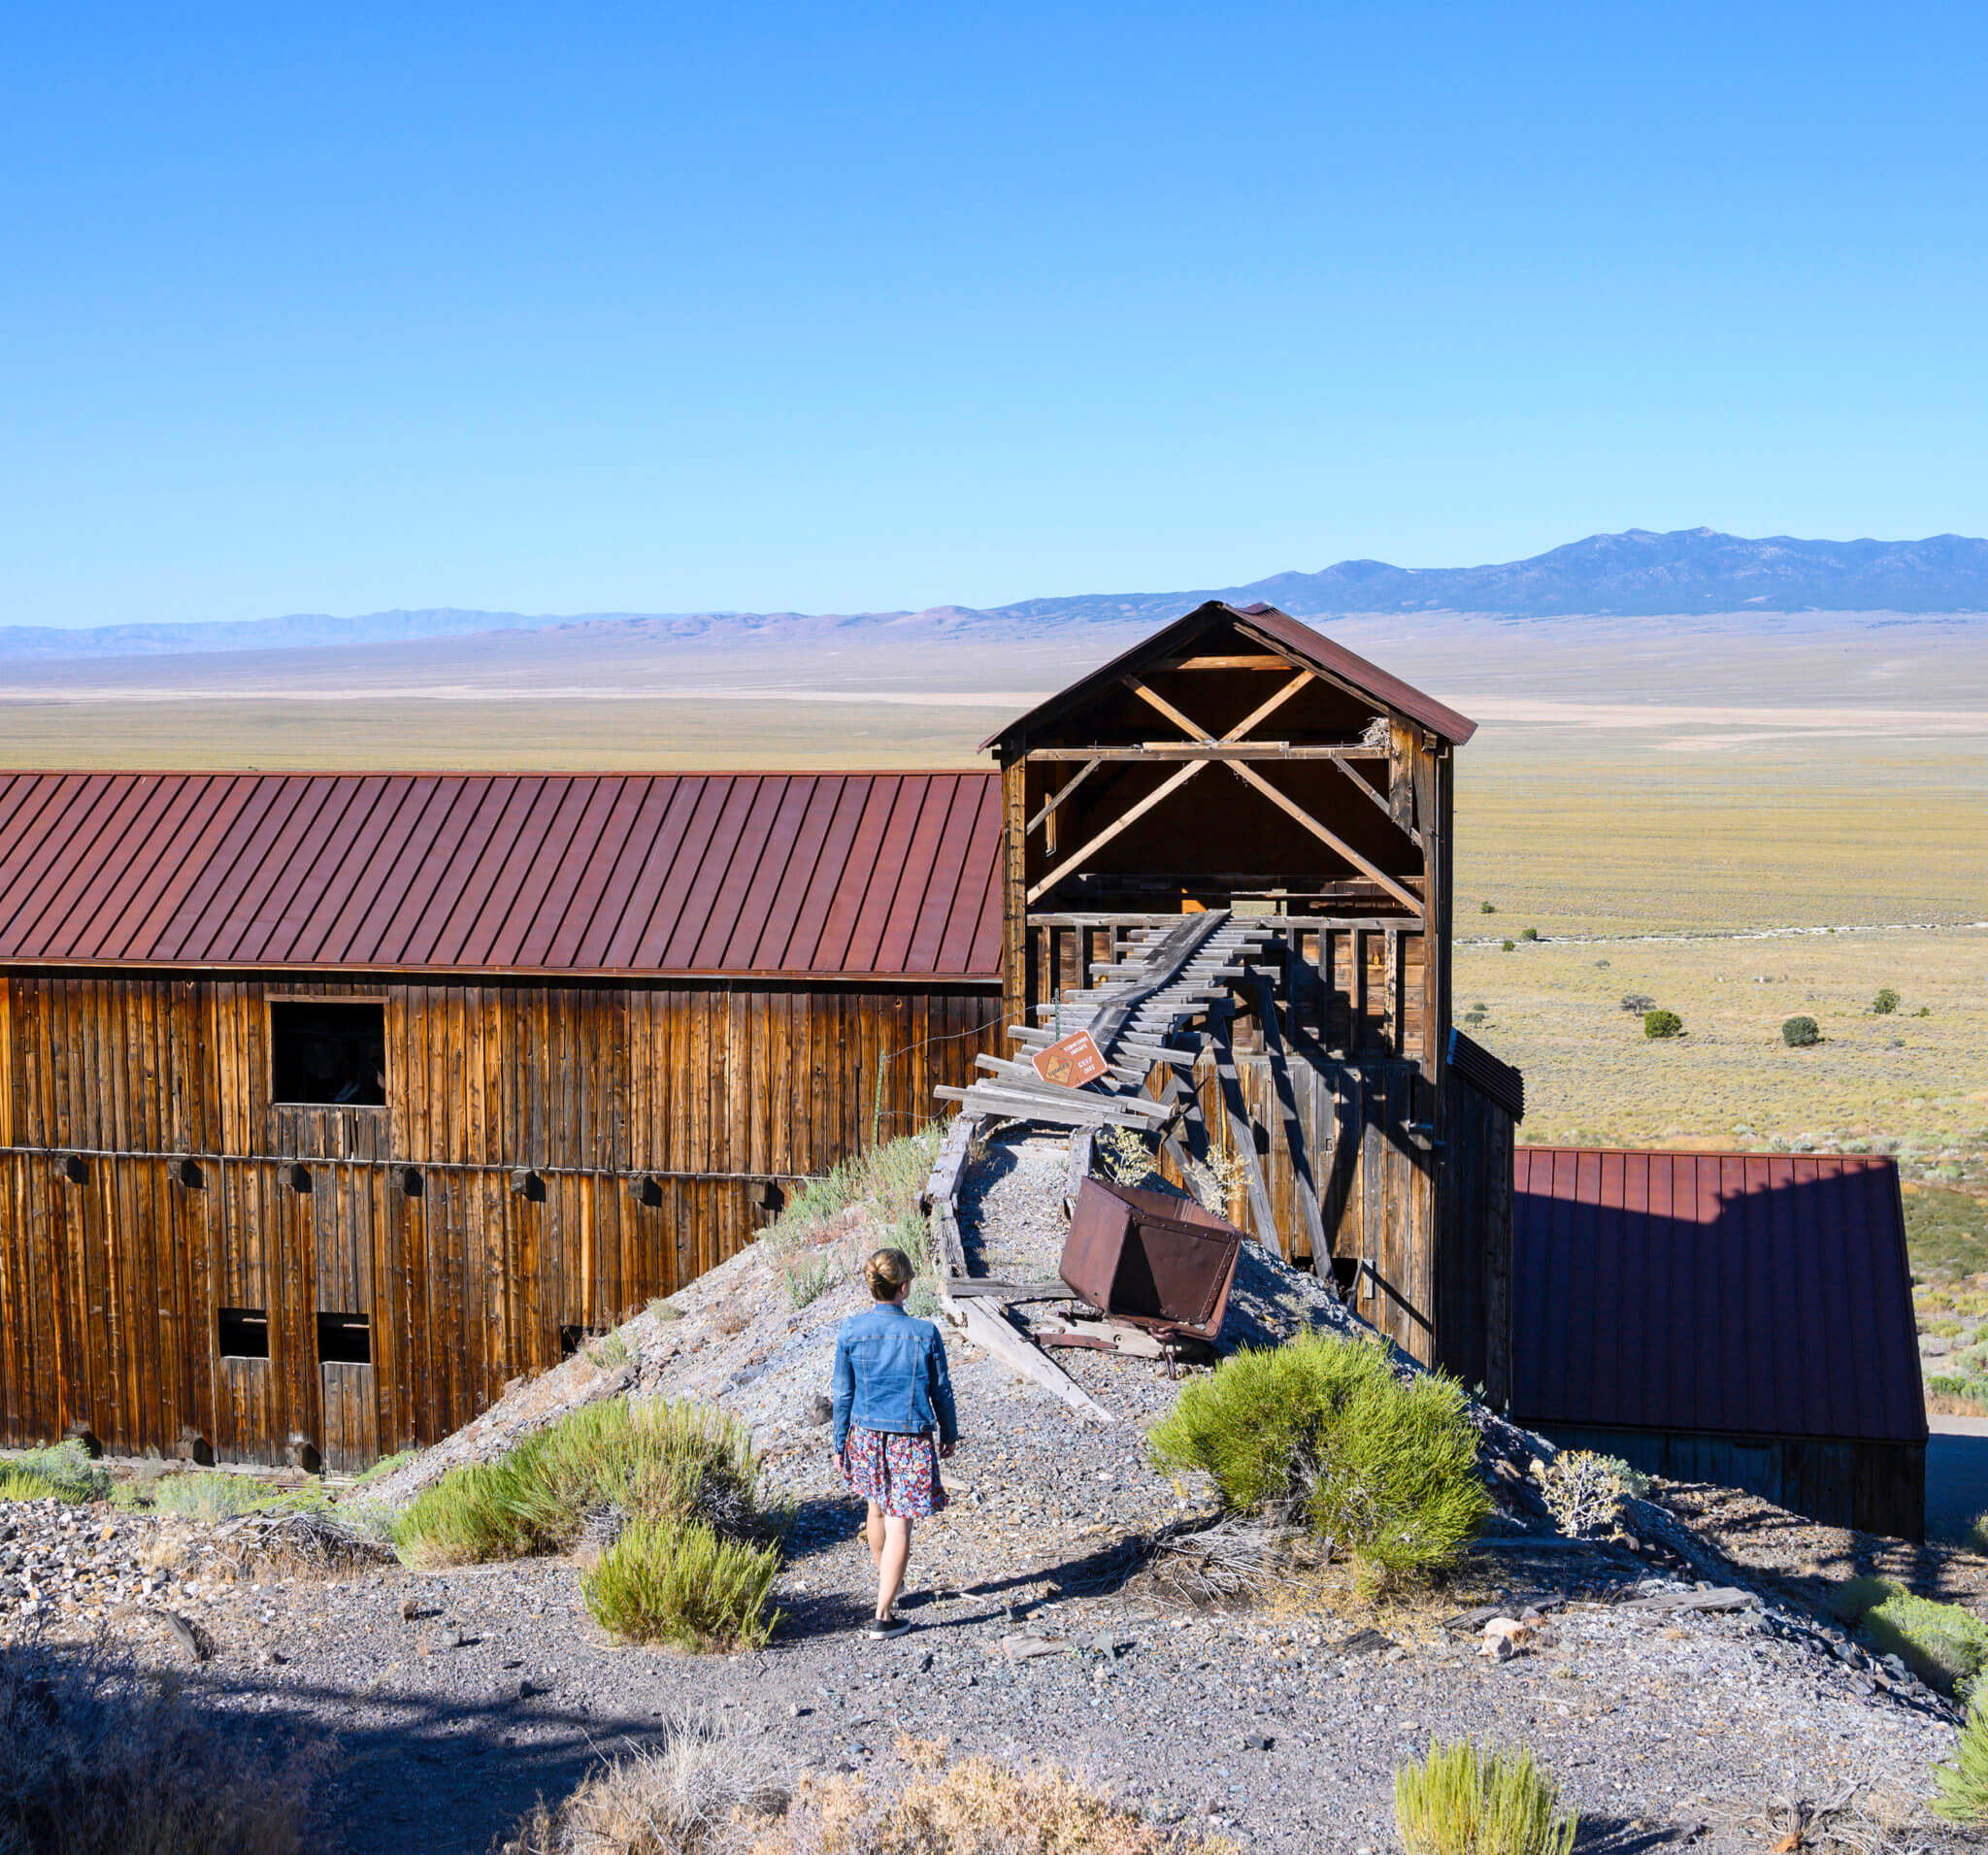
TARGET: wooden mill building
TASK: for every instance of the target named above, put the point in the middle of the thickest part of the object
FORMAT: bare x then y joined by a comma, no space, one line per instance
329,1103
1237,759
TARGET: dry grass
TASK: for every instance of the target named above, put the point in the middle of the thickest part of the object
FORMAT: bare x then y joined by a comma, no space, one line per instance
1593,1078
975,1807
709,1790
100,1758
705,1789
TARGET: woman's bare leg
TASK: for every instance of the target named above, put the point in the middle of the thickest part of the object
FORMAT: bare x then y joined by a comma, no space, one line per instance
873,1530
892,1561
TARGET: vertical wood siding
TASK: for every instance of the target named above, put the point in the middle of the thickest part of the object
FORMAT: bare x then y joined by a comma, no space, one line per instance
111,1287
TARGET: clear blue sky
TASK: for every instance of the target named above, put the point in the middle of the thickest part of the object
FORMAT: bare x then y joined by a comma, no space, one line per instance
576,307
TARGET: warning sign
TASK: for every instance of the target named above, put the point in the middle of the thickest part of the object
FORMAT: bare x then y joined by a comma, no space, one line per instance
1070,1062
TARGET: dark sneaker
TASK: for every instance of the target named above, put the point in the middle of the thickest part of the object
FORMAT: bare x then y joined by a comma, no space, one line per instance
884,1628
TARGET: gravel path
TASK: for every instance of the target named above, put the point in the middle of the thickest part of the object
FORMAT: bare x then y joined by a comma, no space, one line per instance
457,1698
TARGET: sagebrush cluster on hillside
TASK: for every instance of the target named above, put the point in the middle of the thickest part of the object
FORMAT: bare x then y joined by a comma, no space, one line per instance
696,1557
1321,1433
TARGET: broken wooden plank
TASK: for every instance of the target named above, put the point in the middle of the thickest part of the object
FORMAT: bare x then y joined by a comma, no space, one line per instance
987,1289
993,1335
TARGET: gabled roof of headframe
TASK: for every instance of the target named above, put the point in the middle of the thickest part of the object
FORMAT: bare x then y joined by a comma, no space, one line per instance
1312,649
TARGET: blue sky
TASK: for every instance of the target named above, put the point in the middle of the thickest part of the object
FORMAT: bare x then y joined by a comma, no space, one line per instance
836,308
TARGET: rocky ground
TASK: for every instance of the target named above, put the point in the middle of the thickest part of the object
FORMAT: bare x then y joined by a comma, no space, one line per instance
454,1698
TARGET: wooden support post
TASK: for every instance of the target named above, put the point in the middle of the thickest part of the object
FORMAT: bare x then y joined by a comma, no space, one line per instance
1263,1223
1294,1129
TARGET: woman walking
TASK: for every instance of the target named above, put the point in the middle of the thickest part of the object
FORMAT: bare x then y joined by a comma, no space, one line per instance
891,1391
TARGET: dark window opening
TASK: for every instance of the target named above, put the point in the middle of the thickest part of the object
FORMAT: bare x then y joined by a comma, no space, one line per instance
297,1176
528,1184
188,1172
650,1190
1345,1272
410,1181
327,1055
572,1339
73,1170
245,1333
344,1340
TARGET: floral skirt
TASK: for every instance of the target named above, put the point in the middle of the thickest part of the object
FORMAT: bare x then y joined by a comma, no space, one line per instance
899,1472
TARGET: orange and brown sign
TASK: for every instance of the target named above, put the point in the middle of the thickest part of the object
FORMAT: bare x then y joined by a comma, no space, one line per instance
1071,1061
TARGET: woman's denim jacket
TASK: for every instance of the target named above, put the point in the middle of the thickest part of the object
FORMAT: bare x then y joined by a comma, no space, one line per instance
890,1374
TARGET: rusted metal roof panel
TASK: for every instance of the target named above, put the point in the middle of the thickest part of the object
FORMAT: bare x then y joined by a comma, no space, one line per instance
1748,1293
871,875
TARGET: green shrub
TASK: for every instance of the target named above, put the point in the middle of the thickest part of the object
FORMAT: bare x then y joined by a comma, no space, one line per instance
1948,1384
1486,907
221,1496
1941,1329
1798,1032
1960,1790
1885,1002
384,1467
1945,1646
676,1581
659,1461
1510,945
1976,1538
807,1278
1320,1431
1662,1023
62,1470
1529,934
1467,1802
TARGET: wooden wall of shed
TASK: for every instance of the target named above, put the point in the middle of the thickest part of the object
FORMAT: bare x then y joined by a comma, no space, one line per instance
1473,1254
1876,1487
112,1287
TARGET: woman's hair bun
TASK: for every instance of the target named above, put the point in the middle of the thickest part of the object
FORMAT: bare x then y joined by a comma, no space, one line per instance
887,1272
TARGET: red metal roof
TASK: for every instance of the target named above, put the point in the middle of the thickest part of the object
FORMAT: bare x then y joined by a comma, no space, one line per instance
1284,633
865,874
1755,1293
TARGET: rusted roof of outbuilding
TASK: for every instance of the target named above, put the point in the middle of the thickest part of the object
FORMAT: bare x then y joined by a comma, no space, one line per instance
1311,649
850,875
1750,1293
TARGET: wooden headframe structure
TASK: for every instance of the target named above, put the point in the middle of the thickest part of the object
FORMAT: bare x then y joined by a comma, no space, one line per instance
1239,760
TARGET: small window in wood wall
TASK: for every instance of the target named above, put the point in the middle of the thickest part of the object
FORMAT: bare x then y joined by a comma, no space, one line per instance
344,1340
327,1053
244,1333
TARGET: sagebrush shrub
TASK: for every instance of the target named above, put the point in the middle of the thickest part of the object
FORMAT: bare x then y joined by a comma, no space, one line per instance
660,1461
681,1582
1946,1646
1960,1788
1320,1432
1662,1023
62,1470
1462,1801
1529,934
1510,945
1637,1002
1582,1491
1798,1032
1886,1001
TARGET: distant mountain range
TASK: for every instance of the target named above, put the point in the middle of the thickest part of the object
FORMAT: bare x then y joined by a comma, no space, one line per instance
1631,575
